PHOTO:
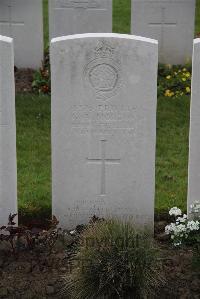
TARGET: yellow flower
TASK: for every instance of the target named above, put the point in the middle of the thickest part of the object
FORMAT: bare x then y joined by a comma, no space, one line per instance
168,77
187,89
184,70
169,93
187,74
175,73
184,79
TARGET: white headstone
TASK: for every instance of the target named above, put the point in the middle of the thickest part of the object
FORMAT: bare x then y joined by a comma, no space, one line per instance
79,16
8,171
194,148
23,21
103,127
171,22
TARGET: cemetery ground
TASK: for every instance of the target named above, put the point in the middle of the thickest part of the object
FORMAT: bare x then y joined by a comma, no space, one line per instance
39,273
33,137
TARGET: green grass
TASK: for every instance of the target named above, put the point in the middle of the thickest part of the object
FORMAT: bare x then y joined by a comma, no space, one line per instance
33,145
46,23
121,16
172,152
33,141
197,29
34,154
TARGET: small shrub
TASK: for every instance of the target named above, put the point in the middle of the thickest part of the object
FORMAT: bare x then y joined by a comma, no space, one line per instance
114,260
14,239
174,81
42,78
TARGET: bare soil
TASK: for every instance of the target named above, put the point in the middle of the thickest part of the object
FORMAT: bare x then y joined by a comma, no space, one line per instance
34,275
23,80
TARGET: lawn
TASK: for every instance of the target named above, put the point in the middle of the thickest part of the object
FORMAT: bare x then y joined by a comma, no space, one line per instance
33,140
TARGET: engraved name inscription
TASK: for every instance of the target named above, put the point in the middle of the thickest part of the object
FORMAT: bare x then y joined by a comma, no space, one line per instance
86,4
103,119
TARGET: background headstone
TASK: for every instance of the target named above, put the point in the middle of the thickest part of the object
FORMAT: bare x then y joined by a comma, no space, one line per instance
194,148
79,16
23,21
104,90
8,169
171,22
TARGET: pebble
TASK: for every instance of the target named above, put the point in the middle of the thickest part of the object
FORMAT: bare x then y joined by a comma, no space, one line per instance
3,292
50,290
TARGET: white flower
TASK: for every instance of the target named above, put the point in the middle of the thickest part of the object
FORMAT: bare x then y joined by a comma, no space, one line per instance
181,219
193,225
183,228
178,243
179,230
175,212
72,232
169,228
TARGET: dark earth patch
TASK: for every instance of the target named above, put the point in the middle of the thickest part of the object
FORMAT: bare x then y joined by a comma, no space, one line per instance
23,80
36,274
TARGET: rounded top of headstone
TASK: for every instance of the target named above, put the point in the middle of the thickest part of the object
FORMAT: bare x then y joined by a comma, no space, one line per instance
6,39
196,40
167,1
104,35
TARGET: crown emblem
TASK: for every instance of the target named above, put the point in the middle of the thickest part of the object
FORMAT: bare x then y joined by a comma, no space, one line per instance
104,50
103,72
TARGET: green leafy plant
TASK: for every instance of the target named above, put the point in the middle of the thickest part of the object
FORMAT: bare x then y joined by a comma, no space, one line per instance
174,80
14,239
114,260
42,78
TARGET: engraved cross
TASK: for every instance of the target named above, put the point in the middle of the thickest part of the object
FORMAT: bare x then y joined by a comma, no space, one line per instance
103,161
10,23
163,24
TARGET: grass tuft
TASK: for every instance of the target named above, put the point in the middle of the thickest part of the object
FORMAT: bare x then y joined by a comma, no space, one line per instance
114,260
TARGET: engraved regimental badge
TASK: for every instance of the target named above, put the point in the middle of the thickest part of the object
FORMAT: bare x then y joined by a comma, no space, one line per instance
102,73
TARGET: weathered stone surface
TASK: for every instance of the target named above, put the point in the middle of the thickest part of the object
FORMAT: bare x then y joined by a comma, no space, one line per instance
171,22
79,16
8,172
194,147
103,127
23,21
